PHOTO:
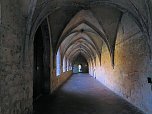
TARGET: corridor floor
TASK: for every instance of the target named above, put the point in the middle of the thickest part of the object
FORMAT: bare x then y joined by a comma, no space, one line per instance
82,94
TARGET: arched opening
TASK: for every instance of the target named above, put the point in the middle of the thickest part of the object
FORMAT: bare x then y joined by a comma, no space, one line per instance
38,81
67,65
79,68
80,65
64,64
58,63
41,79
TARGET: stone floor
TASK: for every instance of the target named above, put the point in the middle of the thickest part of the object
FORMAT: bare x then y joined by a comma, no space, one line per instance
82,94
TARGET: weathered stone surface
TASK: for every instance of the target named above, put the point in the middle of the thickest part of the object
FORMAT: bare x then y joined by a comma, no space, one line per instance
132,67
15,87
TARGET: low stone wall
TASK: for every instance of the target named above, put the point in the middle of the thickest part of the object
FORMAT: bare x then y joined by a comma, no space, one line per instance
57,81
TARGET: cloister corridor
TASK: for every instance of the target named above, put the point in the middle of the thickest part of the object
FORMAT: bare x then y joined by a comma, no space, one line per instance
75,56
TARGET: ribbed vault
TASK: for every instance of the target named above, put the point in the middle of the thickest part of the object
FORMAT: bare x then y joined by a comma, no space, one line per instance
85,35
98,20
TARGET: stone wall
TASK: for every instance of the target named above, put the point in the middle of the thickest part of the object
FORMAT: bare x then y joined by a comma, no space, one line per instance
57,81
16,74
132,66
15,81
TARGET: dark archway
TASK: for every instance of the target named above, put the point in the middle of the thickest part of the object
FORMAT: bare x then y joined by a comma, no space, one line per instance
80,61
41,79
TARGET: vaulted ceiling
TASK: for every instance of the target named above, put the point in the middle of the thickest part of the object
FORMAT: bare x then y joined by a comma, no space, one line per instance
86,32
83,26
